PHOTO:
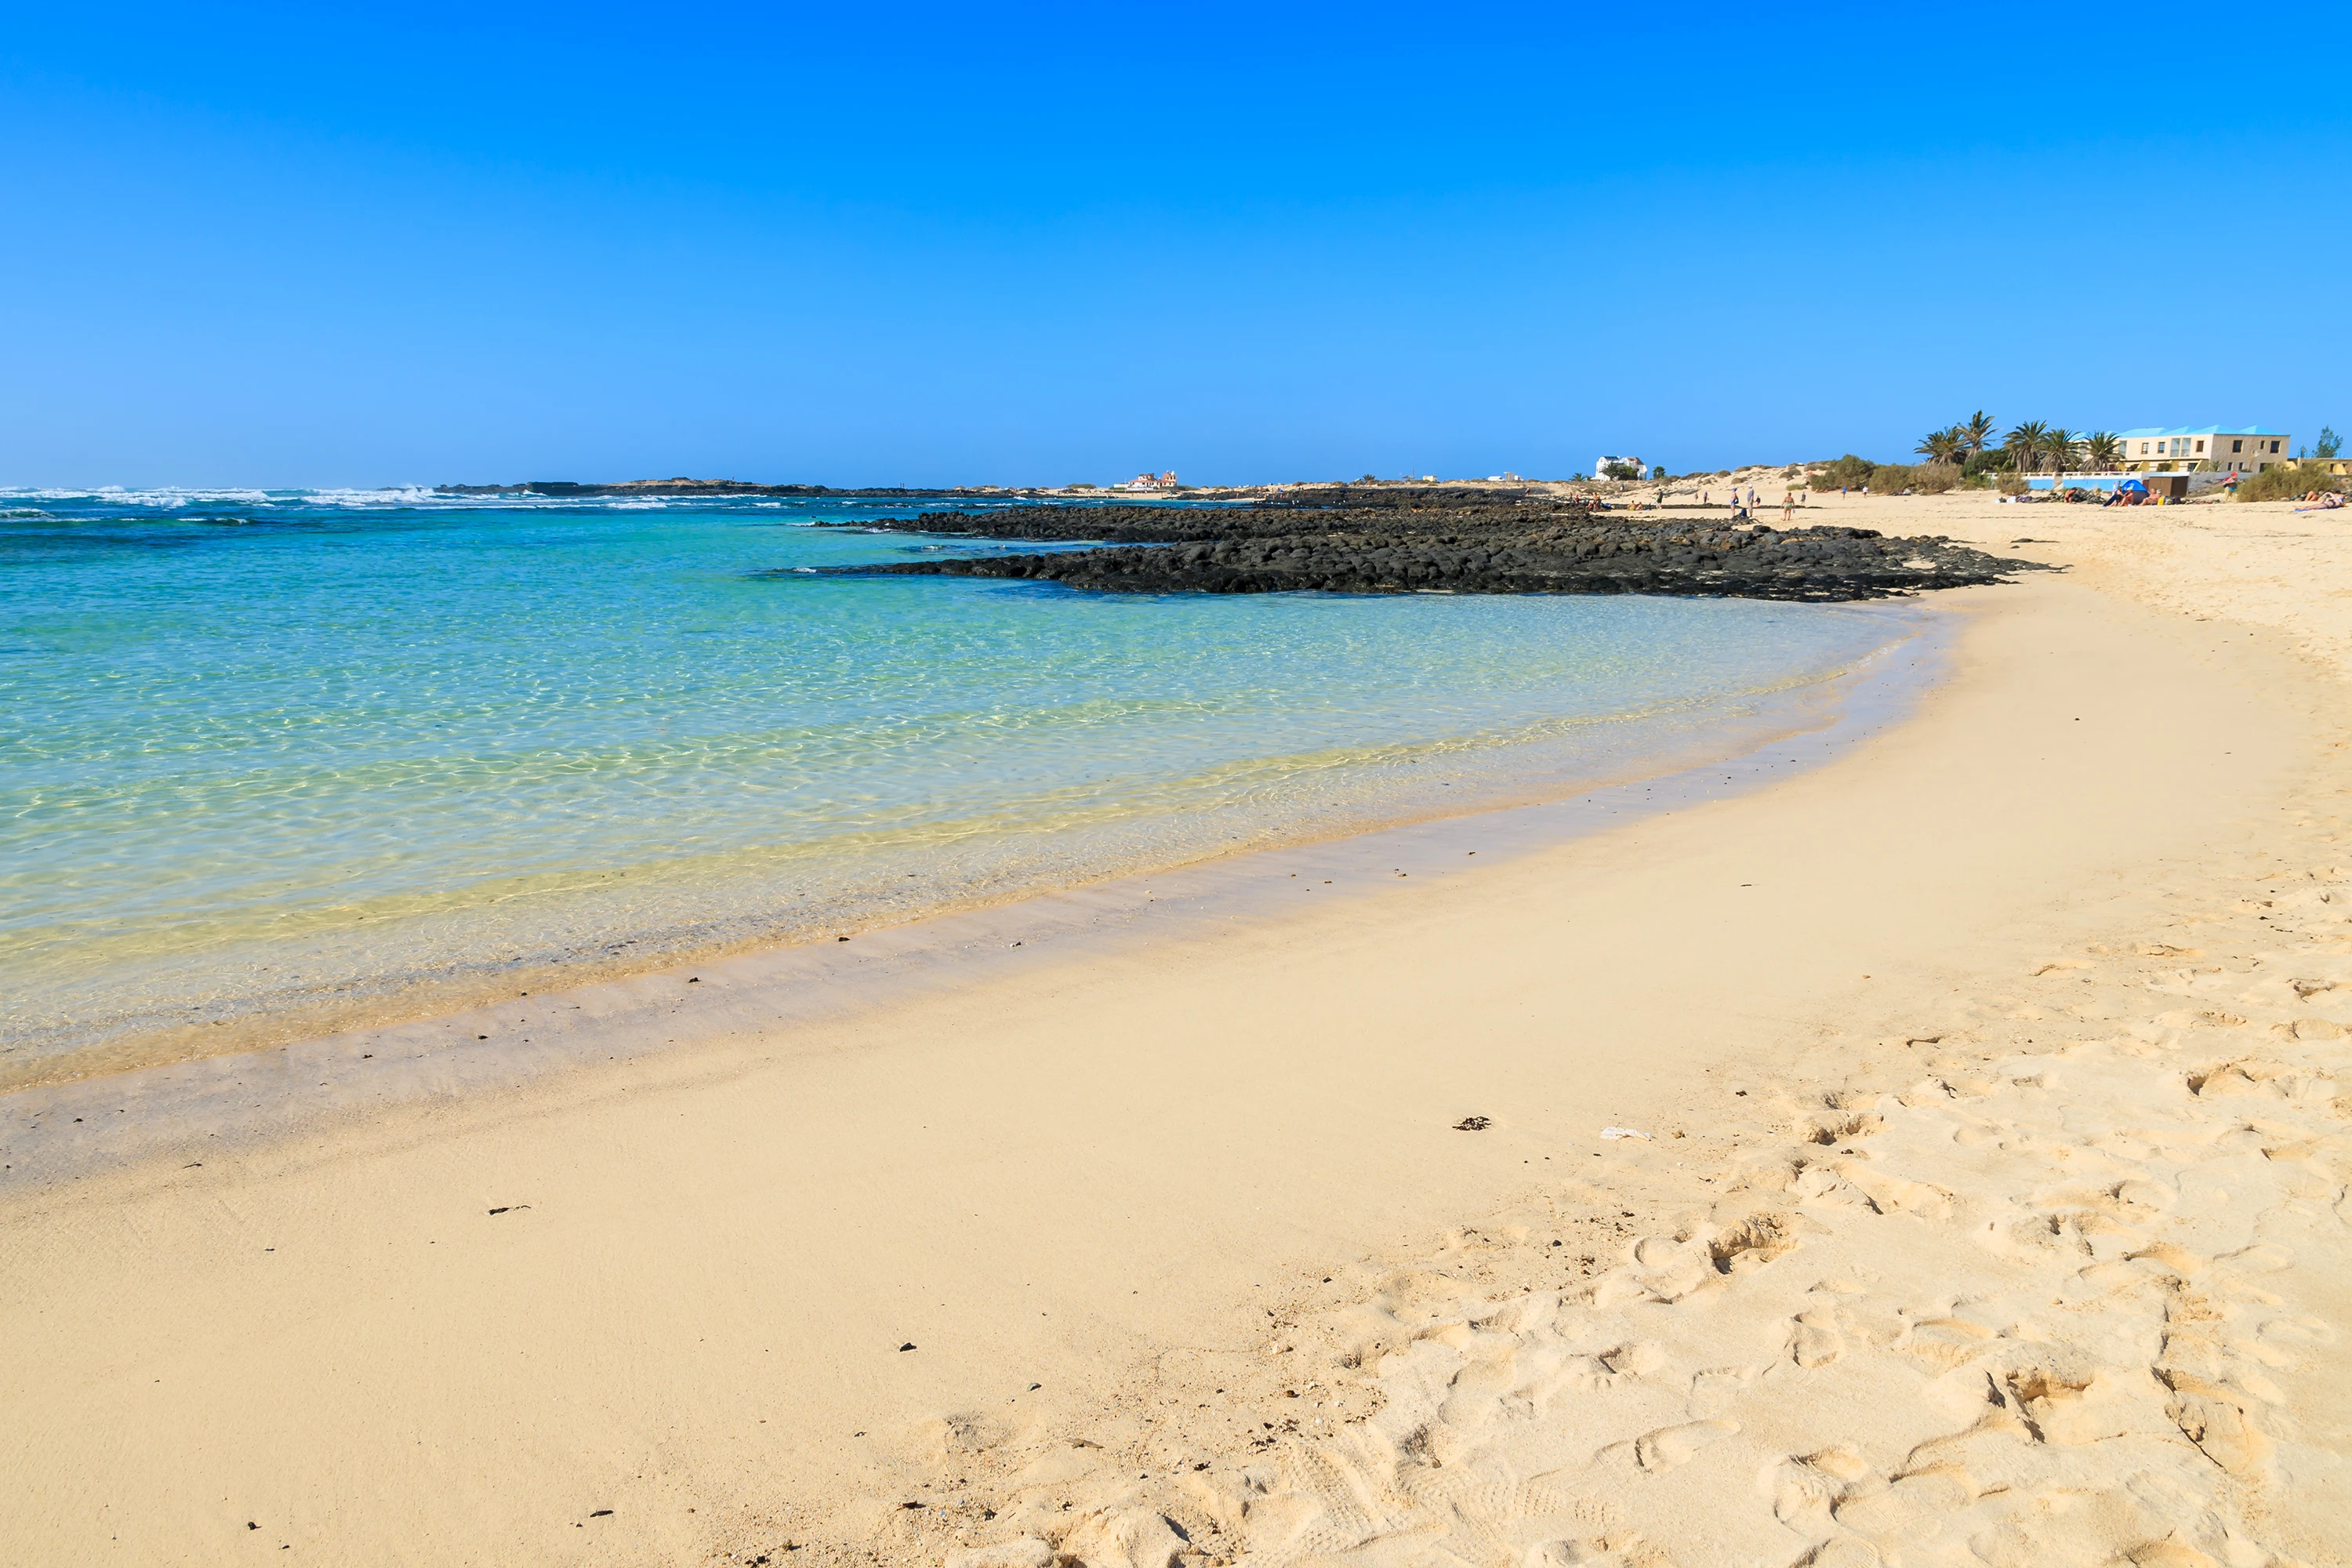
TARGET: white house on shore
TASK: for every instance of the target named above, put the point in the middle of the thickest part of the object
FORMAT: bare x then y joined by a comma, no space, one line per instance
2247,449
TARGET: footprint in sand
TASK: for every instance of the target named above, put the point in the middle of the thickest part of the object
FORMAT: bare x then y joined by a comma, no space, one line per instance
1845,1129
1906,1501
1814,1339
1670,1446
1626,1552
2215,1418
1802,1487
2246,1076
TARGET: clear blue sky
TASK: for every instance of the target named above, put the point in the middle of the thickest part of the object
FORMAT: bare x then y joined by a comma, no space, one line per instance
320,244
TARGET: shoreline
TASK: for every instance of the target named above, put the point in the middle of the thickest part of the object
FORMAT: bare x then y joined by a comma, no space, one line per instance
367,1005
179,1103
1186,1237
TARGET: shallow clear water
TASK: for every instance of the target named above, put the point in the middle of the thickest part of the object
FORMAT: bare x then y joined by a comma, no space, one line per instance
274,751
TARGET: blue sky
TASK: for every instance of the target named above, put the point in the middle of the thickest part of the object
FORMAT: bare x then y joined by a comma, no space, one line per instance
321,246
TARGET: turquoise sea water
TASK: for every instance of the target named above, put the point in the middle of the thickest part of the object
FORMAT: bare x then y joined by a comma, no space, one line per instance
305,754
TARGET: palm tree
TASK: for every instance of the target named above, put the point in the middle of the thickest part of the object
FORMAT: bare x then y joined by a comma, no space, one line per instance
1940,446
2024,445
1975,433
2104,450
2061,444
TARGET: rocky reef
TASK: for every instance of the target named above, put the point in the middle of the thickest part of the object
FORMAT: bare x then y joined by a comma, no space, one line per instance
1451,541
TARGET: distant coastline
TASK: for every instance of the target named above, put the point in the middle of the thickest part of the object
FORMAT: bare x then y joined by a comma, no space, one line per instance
701,489
684,487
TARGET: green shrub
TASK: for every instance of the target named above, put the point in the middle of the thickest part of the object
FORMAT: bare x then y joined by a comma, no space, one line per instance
2286,481
1850,471
1886,479
1991,460
1919,478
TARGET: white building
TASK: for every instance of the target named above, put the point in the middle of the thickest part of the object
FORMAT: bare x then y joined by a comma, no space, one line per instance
1602,466
2248,450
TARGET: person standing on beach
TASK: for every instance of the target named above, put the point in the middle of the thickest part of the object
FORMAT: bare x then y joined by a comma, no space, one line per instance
1788,506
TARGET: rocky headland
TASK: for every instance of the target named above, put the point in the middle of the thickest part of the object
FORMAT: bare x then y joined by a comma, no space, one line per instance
1450,539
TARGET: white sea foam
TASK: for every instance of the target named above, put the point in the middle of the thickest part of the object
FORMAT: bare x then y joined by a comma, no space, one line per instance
389,495
160,497
168,498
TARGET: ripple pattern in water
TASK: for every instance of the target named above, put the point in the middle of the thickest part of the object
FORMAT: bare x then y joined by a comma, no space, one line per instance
266,750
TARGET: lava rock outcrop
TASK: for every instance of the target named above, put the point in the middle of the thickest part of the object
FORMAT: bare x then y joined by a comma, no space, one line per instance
1476,543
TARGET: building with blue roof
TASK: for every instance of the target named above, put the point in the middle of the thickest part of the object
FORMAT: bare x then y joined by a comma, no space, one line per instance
2245,449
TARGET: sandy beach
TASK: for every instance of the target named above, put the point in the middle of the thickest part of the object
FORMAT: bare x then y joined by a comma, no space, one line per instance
1984,1201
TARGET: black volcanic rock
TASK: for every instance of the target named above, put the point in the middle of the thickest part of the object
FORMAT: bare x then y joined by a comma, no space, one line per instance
1454,541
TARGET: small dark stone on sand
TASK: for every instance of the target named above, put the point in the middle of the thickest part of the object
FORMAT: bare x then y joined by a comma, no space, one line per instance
1472,1124
908,1346
602,1513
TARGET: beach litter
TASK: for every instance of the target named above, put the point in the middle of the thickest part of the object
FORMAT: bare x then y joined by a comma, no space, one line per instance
1472,1124
1624,1133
